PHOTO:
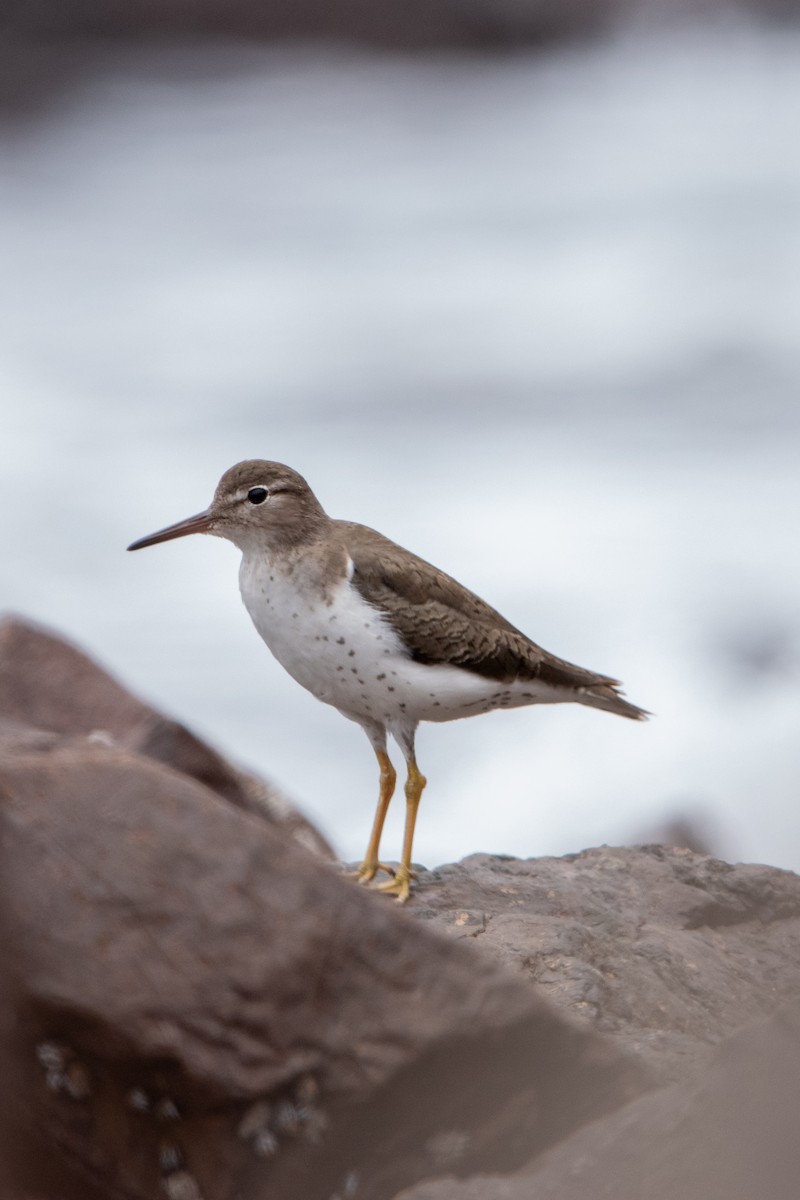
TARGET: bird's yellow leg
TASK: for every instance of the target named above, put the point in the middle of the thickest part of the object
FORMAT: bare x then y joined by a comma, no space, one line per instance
371,864
400,886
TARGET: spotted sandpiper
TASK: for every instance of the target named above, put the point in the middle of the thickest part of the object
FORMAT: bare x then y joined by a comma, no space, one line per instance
383,636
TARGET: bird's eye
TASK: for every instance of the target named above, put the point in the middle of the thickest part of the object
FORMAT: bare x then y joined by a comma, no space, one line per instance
257,495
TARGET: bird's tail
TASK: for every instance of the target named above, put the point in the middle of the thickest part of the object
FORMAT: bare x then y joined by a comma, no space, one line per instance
607,696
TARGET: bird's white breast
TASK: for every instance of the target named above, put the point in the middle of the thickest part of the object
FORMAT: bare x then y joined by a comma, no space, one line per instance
345,652
331,641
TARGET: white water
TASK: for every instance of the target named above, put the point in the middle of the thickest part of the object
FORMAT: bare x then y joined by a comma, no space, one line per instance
536,318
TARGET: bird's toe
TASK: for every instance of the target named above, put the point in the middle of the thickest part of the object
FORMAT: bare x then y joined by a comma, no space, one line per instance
400,886
368,870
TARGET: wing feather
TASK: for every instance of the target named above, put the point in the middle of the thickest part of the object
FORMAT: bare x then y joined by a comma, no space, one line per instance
441,621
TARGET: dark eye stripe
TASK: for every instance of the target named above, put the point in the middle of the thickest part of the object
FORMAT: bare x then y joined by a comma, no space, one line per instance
257,495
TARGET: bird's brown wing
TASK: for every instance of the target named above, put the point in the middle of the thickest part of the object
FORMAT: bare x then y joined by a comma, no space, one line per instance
440,621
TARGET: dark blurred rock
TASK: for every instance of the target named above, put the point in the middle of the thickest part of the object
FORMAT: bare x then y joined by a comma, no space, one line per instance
49,688
50,47
758,649
664,950
47,46
197,1007
688,828
399,23
730,1136
410,24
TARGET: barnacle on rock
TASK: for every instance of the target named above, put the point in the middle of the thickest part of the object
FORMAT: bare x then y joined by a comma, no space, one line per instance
170,1158
447,1147
64,1072
286,1118
51,1055
138,1099
166,1110
265,1144
256,1118
181,1186
350,1185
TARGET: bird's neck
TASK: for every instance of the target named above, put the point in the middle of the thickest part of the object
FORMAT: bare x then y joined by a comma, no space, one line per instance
291,538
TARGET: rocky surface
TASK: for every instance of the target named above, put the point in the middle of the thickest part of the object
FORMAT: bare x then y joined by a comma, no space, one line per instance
664,950
196,1002
195,1006
52,694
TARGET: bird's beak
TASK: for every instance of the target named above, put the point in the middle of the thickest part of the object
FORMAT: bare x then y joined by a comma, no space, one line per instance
201,523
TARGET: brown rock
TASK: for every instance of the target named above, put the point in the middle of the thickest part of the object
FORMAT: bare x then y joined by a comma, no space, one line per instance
406,23
198,1007
664,950
193,1007
47,684
730,1136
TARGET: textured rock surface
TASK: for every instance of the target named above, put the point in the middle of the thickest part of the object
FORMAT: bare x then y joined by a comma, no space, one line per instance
664,950
197,1002
48,687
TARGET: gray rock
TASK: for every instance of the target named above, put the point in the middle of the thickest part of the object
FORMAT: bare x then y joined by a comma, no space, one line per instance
406,24
411,24
731,1135
664,950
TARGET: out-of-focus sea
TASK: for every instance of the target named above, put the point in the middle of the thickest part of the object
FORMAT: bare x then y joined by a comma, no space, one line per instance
535,317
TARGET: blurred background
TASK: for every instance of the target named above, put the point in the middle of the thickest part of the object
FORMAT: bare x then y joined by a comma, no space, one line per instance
515,282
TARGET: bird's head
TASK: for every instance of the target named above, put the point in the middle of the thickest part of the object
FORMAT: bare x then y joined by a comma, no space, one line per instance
257,505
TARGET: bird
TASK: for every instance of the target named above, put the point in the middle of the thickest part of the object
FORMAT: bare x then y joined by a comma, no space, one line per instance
376,631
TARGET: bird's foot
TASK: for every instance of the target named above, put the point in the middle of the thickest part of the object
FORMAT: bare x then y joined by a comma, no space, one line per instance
400,886
368,870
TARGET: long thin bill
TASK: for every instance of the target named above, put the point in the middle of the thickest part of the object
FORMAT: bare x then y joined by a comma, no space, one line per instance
197,524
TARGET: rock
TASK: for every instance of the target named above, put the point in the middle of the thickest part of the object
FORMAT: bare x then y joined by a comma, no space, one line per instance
194,1007
198,1007
665,951
411,24
48,687
405,24
732,1135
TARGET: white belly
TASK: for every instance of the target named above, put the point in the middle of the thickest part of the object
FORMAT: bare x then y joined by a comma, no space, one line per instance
346,654
338,647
